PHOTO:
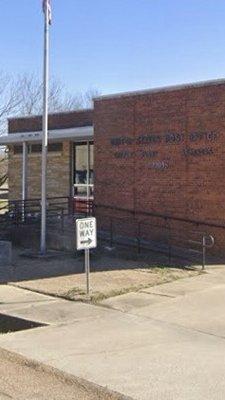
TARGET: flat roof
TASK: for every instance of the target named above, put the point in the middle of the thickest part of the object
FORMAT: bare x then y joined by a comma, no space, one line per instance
74,134
171,88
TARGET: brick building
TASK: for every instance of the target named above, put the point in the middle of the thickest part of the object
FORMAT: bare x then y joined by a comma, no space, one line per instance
162,153
158,154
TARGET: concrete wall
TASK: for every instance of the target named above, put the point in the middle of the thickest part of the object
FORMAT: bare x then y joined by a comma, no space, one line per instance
163,152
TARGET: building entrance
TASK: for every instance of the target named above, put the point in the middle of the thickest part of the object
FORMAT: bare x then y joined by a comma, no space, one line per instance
83,170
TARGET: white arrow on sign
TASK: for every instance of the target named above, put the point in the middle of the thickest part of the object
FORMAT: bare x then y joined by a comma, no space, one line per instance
86,237
88,241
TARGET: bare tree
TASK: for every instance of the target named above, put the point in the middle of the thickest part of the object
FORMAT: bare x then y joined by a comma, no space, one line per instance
80,100
3,167
22,96
31,91
10,98
88,97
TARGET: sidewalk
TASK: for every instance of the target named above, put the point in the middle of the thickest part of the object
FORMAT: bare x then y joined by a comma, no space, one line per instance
171,347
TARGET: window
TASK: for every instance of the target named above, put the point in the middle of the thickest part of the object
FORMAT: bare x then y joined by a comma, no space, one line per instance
36,148
52,147
55,147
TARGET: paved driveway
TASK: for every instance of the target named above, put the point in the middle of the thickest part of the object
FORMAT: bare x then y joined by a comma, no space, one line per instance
164,343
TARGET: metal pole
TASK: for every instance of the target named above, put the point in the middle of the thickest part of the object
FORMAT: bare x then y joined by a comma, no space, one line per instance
139,238
88,176
24,180
44,134
203,251
111,232
87,270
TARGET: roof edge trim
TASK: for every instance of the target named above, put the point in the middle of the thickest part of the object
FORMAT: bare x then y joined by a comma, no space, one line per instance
171,88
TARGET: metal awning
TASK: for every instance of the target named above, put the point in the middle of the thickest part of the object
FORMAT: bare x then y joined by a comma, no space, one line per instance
73,134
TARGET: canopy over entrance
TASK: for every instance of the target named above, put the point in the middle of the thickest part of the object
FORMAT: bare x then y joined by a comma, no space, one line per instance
34,138
73,134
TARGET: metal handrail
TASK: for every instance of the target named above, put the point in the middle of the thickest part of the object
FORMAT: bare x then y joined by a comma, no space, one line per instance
22,211
205,246
163,235
158,215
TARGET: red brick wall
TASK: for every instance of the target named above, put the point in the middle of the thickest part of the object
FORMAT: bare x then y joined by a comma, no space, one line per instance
56,121
163,152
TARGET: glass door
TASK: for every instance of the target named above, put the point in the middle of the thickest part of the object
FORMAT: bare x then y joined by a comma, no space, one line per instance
84,169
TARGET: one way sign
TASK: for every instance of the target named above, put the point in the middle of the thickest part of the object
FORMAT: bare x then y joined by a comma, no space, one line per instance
86,233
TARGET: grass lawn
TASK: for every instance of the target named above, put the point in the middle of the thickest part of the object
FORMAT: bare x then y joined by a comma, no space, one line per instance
109,277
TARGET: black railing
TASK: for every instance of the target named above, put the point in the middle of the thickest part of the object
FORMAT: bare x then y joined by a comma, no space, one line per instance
28,211
165,217
139,230
187,244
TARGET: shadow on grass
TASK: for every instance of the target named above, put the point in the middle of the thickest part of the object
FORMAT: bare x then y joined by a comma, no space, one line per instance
102,259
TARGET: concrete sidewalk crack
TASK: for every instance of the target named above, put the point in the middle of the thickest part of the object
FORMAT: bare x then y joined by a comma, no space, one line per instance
171,324
158,294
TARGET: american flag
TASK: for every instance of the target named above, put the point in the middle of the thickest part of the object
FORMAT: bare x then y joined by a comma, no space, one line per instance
47,9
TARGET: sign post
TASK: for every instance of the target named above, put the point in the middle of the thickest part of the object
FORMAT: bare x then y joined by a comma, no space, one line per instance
87,269
86,239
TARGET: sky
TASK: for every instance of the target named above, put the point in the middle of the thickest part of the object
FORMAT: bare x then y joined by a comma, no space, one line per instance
116,45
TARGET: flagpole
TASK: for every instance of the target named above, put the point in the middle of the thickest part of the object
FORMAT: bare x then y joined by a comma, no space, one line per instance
44,133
